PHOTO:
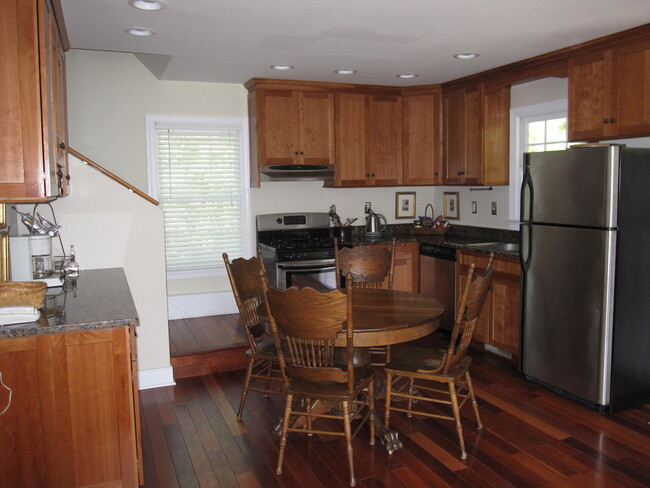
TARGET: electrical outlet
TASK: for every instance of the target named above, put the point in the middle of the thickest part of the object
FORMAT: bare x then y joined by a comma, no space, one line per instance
366,207
494,208
474,207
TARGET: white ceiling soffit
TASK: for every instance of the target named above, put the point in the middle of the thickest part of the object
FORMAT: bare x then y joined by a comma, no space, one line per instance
232,41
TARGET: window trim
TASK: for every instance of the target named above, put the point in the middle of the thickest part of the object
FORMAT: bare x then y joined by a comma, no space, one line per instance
519,116
152,122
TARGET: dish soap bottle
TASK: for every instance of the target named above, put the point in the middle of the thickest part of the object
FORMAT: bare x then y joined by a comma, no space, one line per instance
73,266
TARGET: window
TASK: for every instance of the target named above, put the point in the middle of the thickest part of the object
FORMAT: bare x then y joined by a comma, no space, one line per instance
534,128
198,172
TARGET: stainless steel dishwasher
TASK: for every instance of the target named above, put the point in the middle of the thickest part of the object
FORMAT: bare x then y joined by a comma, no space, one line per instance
438,278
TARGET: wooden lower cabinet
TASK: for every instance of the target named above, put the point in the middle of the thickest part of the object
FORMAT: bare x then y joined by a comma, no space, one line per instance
72,421
406,276
500,322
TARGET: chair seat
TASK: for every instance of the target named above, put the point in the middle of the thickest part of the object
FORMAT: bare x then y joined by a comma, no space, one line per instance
414,359
330,390
266,349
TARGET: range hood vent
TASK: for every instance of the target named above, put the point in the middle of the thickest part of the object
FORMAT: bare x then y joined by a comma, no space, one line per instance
298,172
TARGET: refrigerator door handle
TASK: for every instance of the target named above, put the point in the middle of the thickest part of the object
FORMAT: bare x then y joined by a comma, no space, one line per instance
526,211
526,254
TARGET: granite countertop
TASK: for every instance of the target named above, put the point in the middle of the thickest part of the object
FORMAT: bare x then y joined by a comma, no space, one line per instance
96,299
458,237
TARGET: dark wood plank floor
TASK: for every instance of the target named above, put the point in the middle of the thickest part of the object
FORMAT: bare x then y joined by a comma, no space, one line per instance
531,438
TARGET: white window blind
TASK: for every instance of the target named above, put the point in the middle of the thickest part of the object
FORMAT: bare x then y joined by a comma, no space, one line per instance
200,182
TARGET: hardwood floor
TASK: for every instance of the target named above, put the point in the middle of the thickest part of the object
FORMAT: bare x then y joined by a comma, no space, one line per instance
531,438
189,336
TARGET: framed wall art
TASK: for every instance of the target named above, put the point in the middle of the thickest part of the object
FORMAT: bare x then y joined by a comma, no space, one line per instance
405,205
452,211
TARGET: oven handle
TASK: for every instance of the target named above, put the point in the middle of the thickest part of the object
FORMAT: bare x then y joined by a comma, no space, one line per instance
308,266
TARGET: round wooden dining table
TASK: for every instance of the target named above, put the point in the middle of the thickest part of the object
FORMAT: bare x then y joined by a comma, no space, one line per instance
384,317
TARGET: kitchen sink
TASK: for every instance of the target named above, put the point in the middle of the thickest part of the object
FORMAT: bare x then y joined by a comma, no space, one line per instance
496,246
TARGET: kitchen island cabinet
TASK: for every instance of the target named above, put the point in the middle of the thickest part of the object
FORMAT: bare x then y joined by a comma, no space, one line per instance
499,325
34,126
74,416
609,93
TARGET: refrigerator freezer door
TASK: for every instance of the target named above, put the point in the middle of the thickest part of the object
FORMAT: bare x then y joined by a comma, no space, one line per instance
576,187
568,303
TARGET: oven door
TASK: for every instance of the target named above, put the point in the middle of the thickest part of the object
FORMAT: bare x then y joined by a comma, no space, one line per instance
318,274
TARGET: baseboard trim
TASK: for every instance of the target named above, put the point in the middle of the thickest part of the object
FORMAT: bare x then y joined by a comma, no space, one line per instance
156,378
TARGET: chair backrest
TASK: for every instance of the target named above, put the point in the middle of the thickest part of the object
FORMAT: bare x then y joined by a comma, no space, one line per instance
249,295
309,321
469,310
371,266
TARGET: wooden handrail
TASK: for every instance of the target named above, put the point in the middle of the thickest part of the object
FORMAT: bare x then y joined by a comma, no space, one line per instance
112,176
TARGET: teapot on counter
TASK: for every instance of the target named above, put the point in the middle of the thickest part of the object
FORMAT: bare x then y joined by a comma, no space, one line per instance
374,225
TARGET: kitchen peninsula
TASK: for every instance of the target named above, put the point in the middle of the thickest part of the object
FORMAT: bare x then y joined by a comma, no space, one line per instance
69,386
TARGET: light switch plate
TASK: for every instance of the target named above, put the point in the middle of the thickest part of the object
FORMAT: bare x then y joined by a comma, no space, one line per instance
474,207
494,208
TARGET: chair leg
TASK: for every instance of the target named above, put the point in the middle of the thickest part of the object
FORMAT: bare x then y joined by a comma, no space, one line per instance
309,419
371,406
459,425
389,384
247,380
267,383
285,428
348,441
410,401
470,388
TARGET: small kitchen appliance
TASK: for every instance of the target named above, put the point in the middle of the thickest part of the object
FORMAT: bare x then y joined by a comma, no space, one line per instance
375,224
31,259
297,249
585,233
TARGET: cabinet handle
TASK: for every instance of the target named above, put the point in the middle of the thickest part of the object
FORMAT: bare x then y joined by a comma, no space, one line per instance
605,121
613,121
295,153
62,146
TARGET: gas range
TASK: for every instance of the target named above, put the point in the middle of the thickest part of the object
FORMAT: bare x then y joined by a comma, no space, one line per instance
296,246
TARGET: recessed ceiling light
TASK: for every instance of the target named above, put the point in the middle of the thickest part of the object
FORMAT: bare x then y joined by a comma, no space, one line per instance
407,75
150,5
140,31
345,71
466,55
282,67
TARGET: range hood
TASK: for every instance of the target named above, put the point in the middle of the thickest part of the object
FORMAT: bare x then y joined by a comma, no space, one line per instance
298,172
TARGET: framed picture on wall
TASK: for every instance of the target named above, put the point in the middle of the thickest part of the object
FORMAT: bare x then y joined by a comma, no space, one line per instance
405,205
452,212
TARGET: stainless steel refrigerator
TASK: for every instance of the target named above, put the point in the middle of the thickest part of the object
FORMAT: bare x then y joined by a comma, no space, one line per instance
585,252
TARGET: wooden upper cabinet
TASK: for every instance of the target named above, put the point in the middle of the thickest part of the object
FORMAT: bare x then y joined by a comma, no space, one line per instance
476,135
296,127
422,116
368,140
609,93
33,151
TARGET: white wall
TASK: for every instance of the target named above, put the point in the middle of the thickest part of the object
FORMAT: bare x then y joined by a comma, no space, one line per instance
111,227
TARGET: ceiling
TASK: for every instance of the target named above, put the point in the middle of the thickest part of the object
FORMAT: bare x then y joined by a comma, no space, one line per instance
231,41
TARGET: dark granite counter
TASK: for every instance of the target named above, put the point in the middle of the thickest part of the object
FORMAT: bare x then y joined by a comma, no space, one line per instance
96,299
458,237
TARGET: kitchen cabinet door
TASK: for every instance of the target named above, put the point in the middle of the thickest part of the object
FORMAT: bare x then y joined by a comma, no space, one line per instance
96,406
407,267
496,135
351,140
422,116
609,93
454,136
33,103
295,127
25,443
499,325
384,157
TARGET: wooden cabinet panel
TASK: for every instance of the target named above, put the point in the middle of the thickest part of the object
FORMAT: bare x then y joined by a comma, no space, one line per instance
407,267
476,135
33,103
500,321
368,140
277,124
351,145
422,116
73,413
316,123
609,93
